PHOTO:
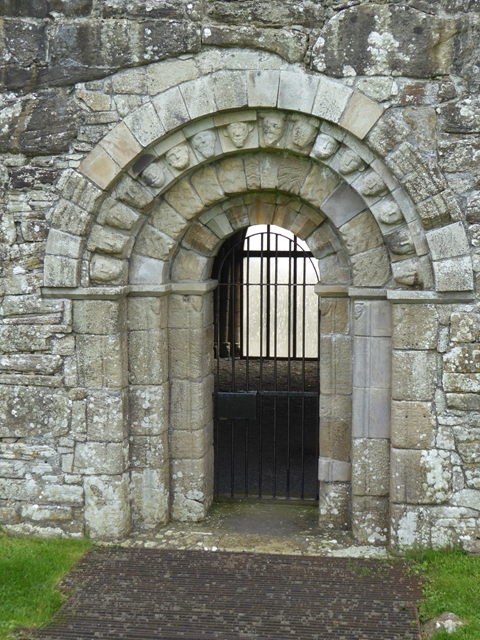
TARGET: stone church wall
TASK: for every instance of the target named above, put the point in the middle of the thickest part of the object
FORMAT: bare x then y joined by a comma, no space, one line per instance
105,291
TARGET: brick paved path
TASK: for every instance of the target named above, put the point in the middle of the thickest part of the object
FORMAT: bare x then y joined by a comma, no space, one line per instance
150,593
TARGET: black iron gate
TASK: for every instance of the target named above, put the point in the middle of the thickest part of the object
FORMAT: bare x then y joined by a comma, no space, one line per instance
266,367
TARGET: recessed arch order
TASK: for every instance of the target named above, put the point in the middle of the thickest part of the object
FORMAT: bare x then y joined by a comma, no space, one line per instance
132,241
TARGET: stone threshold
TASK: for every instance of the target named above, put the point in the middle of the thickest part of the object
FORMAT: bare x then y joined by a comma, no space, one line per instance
257,527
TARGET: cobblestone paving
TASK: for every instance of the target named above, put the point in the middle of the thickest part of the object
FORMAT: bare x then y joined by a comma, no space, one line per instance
157,593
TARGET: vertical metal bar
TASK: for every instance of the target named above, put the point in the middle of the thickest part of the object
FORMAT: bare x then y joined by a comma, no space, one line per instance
247,353
319,425
216,388
295,310
232,461
260,421
267,282
232,316
275,382
304,306
289,351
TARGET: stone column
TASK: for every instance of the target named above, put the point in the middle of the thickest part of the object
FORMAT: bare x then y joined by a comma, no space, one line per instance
335,412
371,420
148,402
102,456
190,322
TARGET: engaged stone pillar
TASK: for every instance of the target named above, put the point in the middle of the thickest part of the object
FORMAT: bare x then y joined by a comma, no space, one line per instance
148,399
371,420
102,456
190,321
334,470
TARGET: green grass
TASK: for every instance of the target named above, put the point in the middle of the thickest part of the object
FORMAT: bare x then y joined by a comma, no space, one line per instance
452,583
29,571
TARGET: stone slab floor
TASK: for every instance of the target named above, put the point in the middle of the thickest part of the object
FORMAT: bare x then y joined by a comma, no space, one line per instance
251,570
260,527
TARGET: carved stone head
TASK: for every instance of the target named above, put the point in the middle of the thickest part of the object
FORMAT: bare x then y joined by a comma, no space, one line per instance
373,185
349,162
273,127
304,131
154,175
238,133
389,212
204,143
178,157
324,147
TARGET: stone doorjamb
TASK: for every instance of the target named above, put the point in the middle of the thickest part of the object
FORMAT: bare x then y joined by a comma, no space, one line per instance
355,484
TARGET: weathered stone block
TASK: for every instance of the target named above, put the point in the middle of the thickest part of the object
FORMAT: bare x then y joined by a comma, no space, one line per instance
413,425
414,375
467,440
106,269
190,312
373,318
371,269
99,317
371,412
454,274
372,366
189,265
149,452
33,412
154,244
184,199
297,91
361,233
465,359
107,416
100,167
145,124
192,486
371,467
199,238
146,270
107,507
420,477
149,495
335,505
167,220
109,241
370,519
262,88
335,316
63,244
101,361
415,326
448,242
148,409
95,458
463,327
335,439
190,352
319,184
61,272
190,396
147,314
331,99
148,357
360,115
330,470
335,365
191,443
334,269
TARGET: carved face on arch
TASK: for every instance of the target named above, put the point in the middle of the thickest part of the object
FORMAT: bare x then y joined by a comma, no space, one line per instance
273,128
204,143
303,132
238,133
179,157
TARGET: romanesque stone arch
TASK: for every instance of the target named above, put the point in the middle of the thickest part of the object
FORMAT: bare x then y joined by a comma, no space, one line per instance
132,241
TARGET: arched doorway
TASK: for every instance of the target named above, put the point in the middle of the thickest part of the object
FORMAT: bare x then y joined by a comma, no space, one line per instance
266,367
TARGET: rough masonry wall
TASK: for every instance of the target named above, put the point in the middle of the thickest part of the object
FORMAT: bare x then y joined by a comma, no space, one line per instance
62,91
